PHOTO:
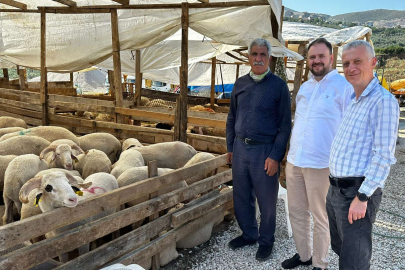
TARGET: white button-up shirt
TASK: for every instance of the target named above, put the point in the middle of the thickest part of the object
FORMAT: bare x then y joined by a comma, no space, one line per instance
320,107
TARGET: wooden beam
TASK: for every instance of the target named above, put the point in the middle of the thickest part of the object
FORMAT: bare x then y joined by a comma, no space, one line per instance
335,57
44,73
180,126
237,72
297,78
306,73
237,58
204,1
111,90
116,62
138,78
13,3
22,76
69,3
274,30
368,39
20,231
213,67
5,74
122,2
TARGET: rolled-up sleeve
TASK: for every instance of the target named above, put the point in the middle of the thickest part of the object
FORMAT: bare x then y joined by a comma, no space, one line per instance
230,123
385,124
284,126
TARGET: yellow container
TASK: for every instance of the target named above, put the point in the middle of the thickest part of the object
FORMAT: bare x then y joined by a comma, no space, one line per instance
399,84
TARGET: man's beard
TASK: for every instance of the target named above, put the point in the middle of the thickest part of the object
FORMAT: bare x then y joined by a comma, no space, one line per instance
319,73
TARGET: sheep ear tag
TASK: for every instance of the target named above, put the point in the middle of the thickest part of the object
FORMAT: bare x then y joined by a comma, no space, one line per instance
37,199
77,191
75,159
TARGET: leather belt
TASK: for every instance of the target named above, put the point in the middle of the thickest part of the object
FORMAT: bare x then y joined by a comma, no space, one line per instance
345,182
250,141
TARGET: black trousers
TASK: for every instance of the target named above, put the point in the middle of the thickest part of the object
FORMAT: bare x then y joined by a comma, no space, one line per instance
351,242
250,181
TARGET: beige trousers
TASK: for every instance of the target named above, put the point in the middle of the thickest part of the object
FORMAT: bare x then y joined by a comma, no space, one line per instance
306,191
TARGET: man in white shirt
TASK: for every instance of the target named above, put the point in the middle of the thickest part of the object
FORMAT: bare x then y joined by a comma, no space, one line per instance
321,102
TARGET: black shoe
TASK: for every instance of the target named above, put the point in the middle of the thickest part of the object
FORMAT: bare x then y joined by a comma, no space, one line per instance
240,242
318,268
263,253
294,262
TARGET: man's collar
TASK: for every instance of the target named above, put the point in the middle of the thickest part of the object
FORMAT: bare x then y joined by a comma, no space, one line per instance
258,78
370,87
330,74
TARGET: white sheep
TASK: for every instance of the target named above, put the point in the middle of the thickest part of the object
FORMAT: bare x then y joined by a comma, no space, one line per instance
9,130
105,142
50,133
128,159
4,161
54,190
92,161
200,157
7,121
172,155
60,155
18,172
130,143
22,145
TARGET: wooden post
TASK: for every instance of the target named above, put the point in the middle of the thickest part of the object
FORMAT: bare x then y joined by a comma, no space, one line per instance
71,79
274,29
111,82
306,73
22,76
213,67
138,78
5,74
44,78
285,58
117,62
237,71
335,56
368,38
297,78
153,172
180,126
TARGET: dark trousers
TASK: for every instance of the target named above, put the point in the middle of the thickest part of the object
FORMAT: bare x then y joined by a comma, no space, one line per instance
351,242
250,181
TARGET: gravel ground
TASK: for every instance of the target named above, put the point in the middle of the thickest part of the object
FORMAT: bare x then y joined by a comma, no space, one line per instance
388,253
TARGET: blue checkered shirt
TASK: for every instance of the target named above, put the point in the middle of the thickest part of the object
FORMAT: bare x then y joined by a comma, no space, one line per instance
364,144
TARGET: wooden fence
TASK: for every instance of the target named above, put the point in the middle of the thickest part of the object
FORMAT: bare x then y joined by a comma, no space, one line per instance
130,247
27,106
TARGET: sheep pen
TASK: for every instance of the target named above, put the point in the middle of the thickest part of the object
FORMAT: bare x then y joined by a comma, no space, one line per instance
169,209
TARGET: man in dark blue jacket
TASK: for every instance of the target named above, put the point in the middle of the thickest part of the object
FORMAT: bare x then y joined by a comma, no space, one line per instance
257,132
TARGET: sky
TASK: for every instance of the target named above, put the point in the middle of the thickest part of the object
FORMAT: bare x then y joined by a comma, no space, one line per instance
335,7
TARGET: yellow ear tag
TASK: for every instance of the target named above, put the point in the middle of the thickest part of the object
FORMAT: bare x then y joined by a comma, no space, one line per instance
36,202
80,193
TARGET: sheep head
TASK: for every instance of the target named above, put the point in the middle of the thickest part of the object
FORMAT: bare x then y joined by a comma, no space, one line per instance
62,155
56,189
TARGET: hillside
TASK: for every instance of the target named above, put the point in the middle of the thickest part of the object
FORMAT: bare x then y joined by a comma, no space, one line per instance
370,15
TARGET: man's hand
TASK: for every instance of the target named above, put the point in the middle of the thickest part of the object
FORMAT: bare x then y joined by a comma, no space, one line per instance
357,210
270,166
229,157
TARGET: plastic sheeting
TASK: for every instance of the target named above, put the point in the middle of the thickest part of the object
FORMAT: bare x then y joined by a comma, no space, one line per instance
79,41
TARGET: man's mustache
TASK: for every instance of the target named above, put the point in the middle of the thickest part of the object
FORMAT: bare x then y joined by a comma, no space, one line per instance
258,63
318,64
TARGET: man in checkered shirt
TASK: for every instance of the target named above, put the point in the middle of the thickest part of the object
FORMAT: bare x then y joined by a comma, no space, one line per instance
361,155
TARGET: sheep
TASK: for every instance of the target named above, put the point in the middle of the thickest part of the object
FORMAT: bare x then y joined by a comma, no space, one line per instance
18,172
200,157
130,143
128,159
7,121
9,130
60,156
23,145
104,142
4,161
92,161
172,155
54,190
50,133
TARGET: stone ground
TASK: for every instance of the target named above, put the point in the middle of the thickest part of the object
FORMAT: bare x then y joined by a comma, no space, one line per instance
388,253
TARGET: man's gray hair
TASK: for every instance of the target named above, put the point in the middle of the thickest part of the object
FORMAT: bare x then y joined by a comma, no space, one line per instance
358,43
260,42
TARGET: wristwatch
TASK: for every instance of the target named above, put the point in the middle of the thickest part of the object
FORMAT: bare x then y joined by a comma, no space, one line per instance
362,197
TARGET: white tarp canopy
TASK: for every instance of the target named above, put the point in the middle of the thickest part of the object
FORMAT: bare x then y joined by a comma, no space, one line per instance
79,41
293,31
